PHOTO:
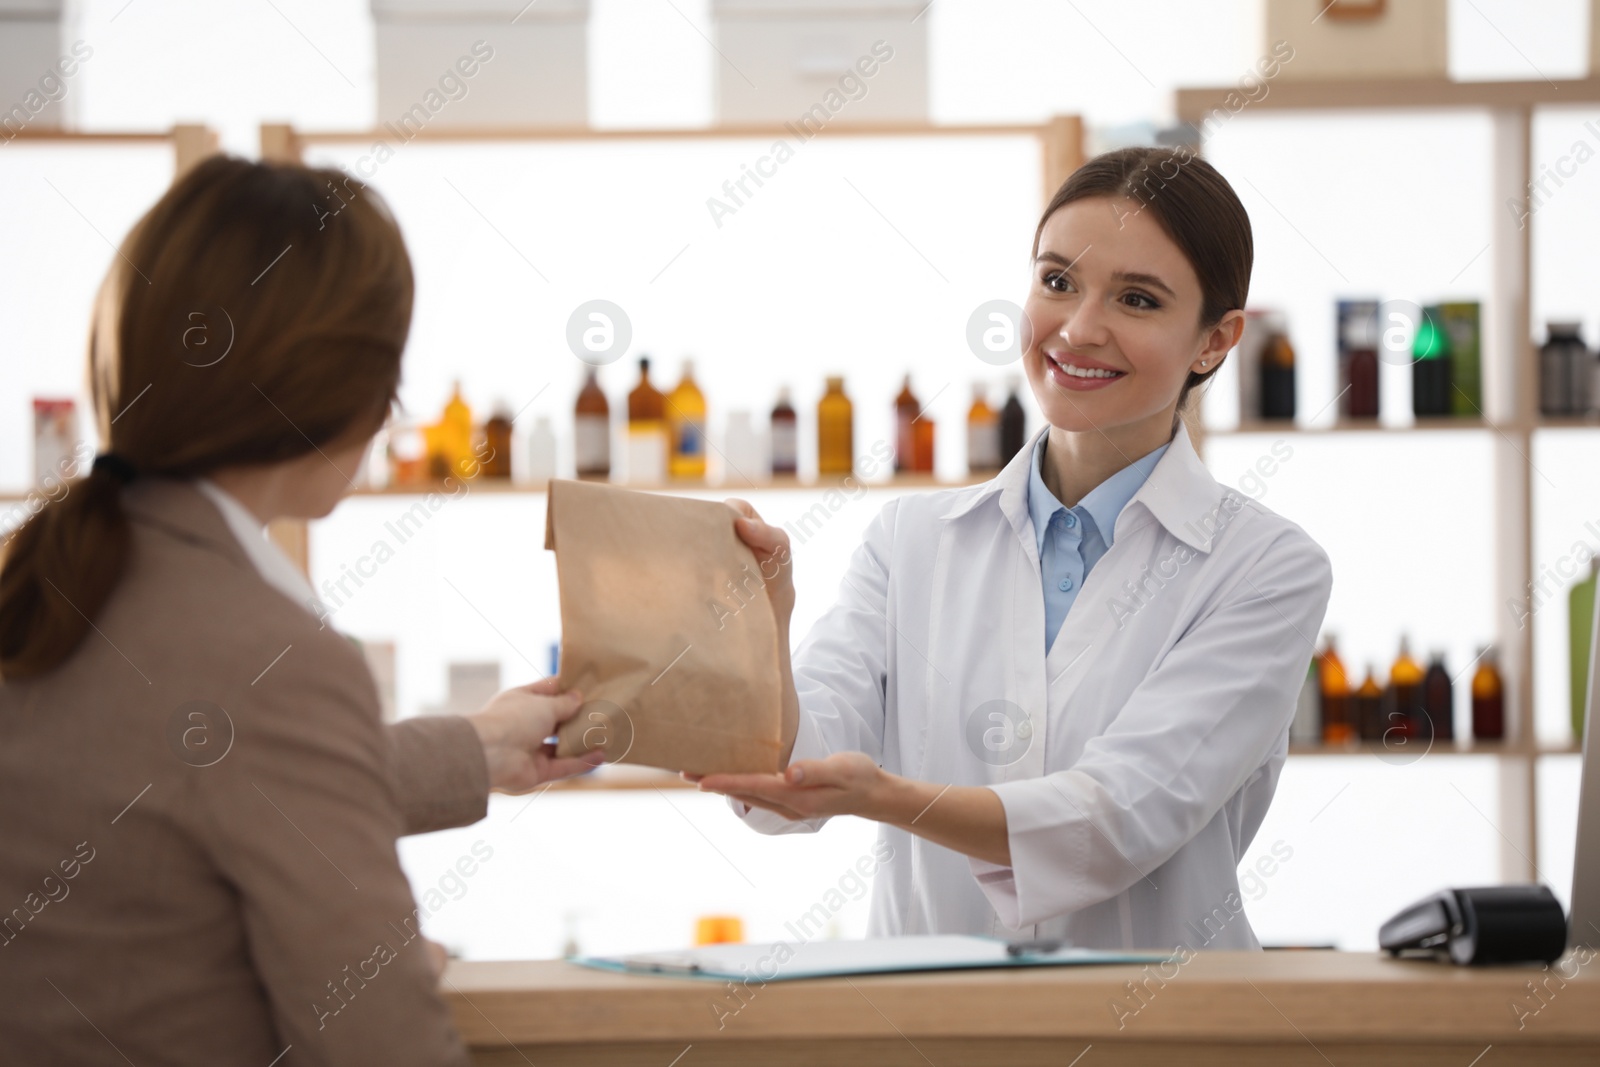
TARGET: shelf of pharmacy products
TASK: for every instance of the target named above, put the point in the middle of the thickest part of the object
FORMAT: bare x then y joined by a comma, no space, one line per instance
1510,366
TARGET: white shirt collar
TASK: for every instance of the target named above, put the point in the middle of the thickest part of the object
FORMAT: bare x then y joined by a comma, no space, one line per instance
270,561
1180,493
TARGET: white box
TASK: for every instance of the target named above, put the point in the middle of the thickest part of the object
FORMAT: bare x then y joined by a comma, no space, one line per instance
781,60
1409,39
31,46
481,63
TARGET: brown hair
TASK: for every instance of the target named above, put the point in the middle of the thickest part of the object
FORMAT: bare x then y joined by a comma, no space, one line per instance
256,312
1194,205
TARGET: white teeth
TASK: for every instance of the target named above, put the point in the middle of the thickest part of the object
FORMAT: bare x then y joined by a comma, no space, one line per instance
1085,372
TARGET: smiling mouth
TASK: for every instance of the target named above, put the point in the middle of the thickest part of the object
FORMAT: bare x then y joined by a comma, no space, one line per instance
1086,373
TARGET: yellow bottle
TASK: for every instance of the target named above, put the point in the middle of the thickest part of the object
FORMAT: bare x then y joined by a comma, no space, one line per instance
449,440
686,427
836,450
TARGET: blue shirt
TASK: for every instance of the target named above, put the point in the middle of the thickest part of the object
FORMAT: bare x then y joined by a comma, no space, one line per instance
1072,540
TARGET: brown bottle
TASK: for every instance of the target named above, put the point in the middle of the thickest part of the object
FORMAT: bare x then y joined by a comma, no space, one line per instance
1369,707
1338,727
905,429
647,431
1438,701
592,430
1488,699
1013,424
497,436
1363,384
785,436
1404,716
836,450
922,445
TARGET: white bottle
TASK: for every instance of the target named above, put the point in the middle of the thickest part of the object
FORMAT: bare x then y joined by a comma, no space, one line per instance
744,451
541,466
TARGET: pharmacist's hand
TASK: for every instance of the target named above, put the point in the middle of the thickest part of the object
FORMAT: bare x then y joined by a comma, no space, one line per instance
513,728
771,546
846,783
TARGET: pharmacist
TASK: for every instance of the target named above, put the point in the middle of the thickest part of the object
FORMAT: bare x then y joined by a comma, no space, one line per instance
1065,694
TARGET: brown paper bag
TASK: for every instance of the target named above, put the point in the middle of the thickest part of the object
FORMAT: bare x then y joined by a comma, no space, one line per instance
667,631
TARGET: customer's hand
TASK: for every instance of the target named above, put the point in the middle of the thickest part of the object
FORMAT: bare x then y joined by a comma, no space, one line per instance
771,547
513,728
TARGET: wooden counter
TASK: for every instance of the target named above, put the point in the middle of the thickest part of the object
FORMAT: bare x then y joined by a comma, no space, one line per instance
1233,1008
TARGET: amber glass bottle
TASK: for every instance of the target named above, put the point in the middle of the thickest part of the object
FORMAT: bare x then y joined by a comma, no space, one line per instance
1488,699
983,433
1438,700
836,448
1404,717
647,431
496,462
905,428
1337,725
592,430
785,436
1369,707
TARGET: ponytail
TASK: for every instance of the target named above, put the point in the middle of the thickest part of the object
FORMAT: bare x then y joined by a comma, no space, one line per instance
58,571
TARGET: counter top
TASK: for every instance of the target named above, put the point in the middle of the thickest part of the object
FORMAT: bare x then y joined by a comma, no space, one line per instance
1215,1007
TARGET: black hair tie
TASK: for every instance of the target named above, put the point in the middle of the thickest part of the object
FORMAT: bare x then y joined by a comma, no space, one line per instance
116,466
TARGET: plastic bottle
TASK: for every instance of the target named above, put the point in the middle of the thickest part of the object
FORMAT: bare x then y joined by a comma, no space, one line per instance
541,453
1488,698
836,449
1438,700
1337,725
686,427
647,431
1580,623
983,433
592,430
1564,371
450,440
906,409
1358,358
785,436
1013,423
743,451
1306,728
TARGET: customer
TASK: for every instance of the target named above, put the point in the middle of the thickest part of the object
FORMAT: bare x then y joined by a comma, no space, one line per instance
198,803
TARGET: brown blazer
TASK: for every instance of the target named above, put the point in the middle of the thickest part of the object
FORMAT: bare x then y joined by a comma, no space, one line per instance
170,894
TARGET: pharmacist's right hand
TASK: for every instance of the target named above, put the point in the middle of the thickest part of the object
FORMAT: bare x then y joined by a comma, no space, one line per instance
771,547
513,728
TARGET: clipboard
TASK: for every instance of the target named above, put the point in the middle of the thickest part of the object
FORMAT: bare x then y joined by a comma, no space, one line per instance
783,961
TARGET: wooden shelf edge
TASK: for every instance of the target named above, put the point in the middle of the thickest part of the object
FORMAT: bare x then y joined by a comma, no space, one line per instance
1384,94
689,133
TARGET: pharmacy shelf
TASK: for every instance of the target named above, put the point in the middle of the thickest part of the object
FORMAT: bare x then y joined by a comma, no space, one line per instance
1510,378
901,482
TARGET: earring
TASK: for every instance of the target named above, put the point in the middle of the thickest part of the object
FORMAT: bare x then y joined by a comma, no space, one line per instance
1202,363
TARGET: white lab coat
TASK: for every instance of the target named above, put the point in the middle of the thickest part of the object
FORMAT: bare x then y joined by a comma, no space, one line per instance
1137,758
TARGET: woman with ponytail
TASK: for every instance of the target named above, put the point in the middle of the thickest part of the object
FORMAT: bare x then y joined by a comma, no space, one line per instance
198,802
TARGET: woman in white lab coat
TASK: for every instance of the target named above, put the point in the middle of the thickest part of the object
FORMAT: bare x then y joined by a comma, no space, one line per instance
1065,693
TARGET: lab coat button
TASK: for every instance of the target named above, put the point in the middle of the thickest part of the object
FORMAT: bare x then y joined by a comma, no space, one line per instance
1024,729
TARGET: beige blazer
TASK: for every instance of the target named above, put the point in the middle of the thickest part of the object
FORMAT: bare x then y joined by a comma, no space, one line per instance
198,814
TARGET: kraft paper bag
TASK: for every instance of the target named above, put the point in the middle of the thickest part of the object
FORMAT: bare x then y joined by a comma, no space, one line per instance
666,630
